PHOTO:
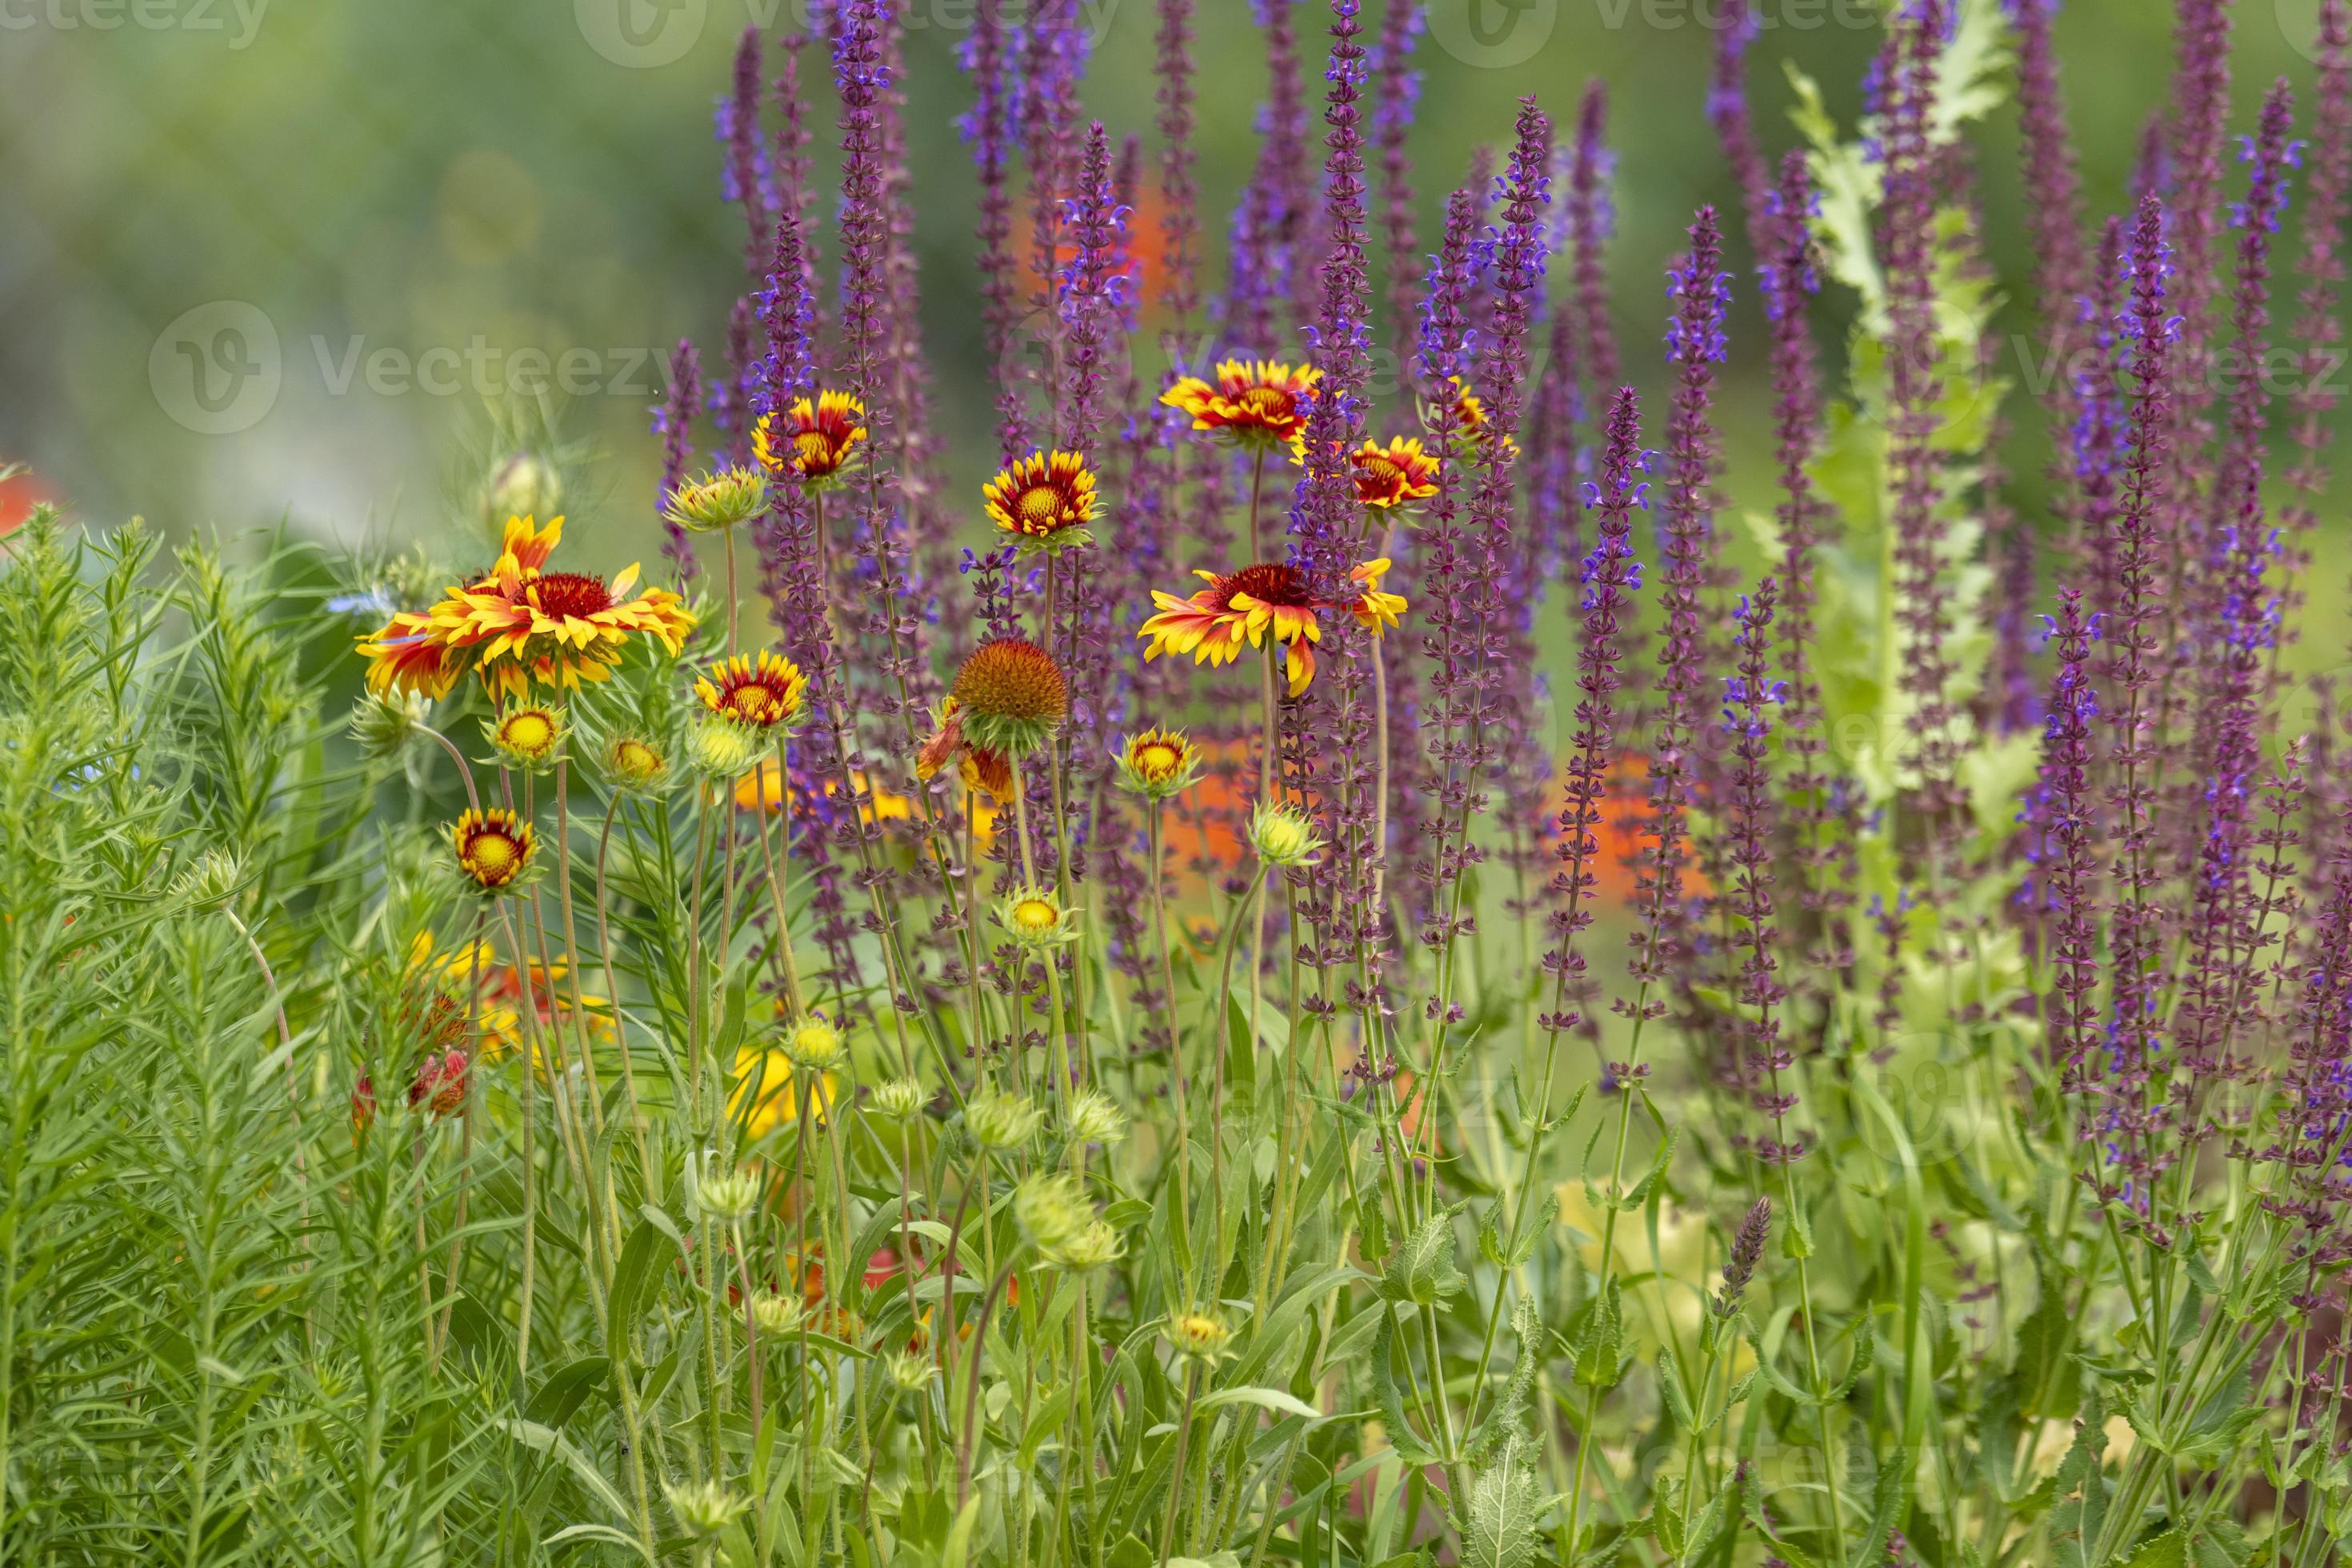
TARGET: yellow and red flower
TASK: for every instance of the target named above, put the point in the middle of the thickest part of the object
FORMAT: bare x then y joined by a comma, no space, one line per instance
525,737
1238,610
815,438
1254,403
1011,696
1045,500
522,626
982,768
1374,609
1393,475
493,847
1466,416
1156,764
760,691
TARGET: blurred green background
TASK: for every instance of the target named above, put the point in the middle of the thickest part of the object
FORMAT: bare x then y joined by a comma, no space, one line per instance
457,184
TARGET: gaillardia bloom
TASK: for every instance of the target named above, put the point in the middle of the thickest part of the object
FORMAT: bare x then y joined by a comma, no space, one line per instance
1254,402
1393,475
980,767
1466,416
1374,610
494,846
1240,609
632,762
1011,696
1156,764
1283,835
523,625
1033,917
813,439
1045,500
525,737
713,503
760,691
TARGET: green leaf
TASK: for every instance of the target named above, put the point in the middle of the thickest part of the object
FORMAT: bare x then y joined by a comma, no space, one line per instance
1269,1398
1424,1271
2169,1549
1599,1346
1497,1524
562,1394
634,1283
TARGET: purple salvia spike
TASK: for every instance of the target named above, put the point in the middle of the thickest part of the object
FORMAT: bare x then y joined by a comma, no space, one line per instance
2054,215
1611,578
746,177
2093,444
1787,282
1399,99
2319,325
1915,468
1589,221
987,127
1749,697
1736,28
2134,653
2070,865
1269,222
1180,214
674,422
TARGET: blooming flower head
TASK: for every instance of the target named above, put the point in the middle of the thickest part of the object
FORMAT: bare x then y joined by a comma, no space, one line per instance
759,691
1374,609
494,848
1239,610
1199,1336
1156,764
521,625
713,503
1011,696
1033,917
1283,835
815,1044
1466,416
814,441
982,768
525,737
1393,475
632,762
1000,1121
1254,402
1045,500
439,1087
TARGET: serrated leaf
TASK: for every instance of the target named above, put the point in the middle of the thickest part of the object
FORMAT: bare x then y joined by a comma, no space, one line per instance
1497,1524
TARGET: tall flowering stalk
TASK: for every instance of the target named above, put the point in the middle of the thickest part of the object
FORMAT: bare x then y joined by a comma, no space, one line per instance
2319,326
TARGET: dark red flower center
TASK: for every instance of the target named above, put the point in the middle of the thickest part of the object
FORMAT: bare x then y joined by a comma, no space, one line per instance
1268,401
1269,582
564,594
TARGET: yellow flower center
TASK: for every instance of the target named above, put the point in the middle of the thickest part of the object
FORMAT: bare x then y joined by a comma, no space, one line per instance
811,451
1158,760
1266,402
1039,506
753,704
635,759
530,732
492,852
1036,915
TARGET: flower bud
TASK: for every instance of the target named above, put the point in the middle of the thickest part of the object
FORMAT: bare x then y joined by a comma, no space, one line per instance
777,1314
524,484
723,751
703,1509
713,503
1000,1121
814,1045
899,1100
1283,835
728,1198
1198,1335
1093,1117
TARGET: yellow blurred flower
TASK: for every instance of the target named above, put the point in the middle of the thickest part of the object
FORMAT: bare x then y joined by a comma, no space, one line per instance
767,1096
